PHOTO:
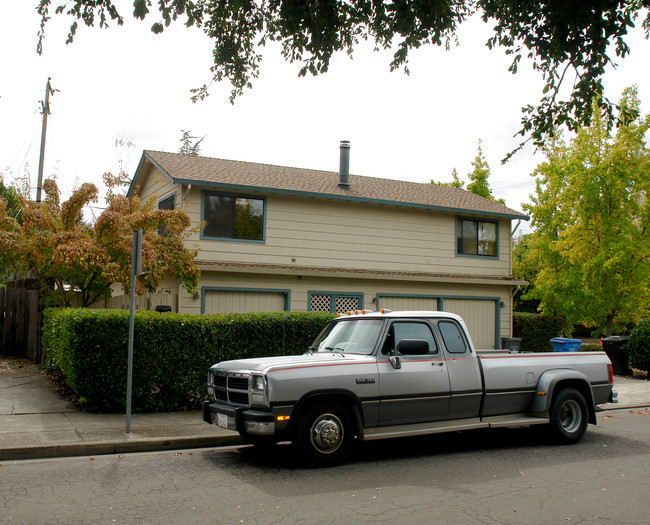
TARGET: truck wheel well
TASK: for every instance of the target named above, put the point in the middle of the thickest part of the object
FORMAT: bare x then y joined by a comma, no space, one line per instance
584,389
348,401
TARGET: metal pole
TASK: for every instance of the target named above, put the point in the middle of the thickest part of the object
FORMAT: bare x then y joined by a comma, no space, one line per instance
46,112
129,372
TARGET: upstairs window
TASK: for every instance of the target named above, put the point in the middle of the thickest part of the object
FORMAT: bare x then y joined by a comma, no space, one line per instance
233,217
477,238
165,204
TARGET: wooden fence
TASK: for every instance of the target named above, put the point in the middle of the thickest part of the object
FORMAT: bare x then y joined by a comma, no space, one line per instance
20,323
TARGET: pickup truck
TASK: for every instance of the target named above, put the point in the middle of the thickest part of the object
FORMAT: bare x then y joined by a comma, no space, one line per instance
392,374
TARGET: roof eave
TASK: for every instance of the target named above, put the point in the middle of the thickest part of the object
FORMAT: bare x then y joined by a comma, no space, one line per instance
145,157
352,198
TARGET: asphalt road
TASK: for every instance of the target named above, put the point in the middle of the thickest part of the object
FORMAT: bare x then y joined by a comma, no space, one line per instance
504,476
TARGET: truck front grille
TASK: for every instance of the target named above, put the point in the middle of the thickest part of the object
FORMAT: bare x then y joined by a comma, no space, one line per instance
231,387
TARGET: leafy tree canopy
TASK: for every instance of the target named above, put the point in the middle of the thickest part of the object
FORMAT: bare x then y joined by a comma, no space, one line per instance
573,40
478,177
523,268
187,147
11,196
591,215
67,256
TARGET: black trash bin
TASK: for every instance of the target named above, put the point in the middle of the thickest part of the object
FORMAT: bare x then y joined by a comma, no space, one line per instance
511,343
163,308
614,347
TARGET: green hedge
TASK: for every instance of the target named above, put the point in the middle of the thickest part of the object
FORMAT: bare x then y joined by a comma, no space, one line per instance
638,346
535,330
171,355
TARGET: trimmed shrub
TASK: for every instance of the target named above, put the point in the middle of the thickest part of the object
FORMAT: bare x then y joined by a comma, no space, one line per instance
591,347
171,352
638,346
535,330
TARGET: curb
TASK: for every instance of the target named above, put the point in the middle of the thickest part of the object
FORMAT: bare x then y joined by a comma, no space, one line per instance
610,407
98,448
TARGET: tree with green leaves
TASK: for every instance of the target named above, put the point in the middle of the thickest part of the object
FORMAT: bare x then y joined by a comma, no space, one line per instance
591,216
455,181
523,267
568,42
478,177
187,147
11,196
68,257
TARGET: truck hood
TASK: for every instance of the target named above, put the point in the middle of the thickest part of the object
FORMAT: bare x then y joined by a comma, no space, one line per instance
265,364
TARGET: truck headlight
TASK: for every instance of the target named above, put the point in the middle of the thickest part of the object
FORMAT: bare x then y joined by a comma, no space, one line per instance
210,386
258,390
257,383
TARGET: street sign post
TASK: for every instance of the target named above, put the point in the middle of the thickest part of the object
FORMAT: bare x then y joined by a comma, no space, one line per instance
136,269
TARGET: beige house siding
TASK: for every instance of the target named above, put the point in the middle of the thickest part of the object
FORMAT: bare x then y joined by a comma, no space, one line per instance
487,320
389,256
352,235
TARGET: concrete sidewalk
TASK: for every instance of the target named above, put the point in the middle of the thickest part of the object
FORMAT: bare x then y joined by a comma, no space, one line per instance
37,422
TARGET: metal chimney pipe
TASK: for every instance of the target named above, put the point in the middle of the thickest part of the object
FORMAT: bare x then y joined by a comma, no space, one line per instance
344,166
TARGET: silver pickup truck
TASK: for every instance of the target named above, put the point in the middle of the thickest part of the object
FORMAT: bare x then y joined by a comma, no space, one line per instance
393,374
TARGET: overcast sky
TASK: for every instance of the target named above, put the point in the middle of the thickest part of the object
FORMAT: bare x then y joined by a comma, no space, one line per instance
126,83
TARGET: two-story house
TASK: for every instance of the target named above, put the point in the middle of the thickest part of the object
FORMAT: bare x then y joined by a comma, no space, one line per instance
280,238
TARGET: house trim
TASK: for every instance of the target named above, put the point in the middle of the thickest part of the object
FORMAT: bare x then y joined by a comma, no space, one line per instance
356,273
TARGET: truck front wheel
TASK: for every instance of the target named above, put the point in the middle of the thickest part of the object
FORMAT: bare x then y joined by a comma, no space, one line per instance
569,416
325,433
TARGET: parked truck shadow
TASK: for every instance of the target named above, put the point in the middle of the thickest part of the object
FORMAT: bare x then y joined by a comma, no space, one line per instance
444,459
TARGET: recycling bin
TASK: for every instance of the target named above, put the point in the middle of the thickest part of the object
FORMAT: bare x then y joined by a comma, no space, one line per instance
565,344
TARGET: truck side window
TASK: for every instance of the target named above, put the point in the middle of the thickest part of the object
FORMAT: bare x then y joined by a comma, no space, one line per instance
407,330
452,337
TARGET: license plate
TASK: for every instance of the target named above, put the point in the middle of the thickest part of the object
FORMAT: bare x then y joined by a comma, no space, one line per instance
222,420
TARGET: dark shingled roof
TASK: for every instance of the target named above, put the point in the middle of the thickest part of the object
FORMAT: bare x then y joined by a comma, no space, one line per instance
250,176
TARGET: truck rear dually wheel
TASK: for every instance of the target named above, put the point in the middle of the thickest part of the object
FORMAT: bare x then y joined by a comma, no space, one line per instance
568,416
325,433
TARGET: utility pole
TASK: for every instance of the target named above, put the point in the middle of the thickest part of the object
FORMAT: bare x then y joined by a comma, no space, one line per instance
46,111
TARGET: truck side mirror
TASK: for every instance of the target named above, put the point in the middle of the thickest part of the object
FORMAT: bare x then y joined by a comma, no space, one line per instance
413,347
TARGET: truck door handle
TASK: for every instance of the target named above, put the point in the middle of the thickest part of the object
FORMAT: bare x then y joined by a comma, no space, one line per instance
439,363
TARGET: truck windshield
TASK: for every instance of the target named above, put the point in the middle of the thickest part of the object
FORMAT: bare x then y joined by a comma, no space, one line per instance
356,336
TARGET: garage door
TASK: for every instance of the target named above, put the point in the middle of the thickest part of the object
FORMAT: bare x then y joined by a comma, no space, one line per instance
236,301
480,318
396,303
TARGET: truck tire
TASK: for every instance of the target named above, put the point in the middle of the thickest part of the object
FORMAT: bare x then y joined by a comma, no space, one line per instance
325,433
568,416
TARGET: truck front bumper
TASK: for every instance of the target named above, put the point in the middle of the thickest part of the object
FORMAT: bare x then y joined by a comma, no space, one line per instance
241,419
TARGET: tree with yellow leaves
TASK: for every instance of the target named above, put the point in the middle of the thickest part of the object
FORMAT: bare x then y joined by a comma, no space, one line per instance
591,215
